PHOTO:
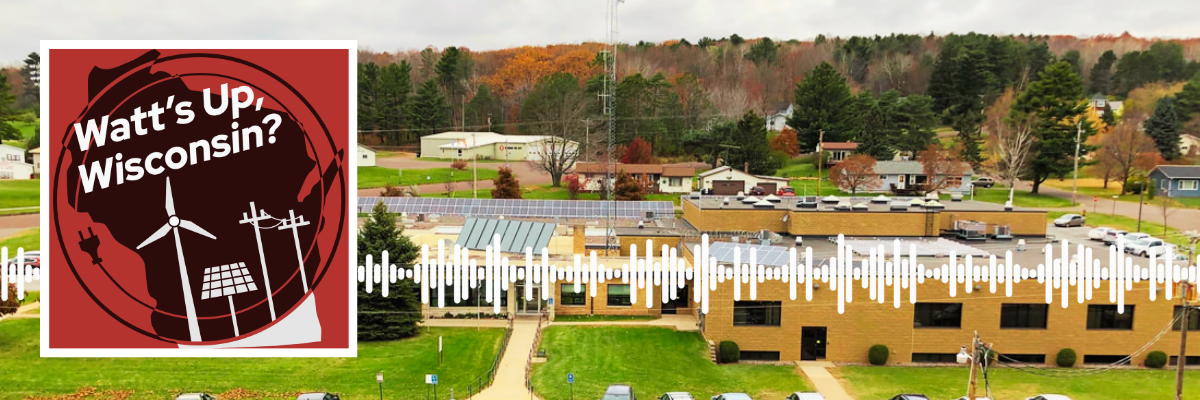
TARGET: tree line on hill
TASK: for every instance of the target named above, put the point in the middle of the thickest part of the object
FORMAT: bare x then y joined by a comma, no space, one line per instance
20,100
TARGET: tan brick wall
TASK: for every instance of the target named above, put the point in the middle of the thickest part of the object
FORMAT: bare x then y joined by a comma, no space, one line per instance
734,220
867,322
640,241
858,223
1023,223
599,304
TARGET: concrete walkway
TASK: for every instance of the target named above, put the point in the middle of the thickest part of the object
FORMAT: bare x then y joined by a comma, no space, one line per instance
22,312
465,323
509,383
679,322
823,381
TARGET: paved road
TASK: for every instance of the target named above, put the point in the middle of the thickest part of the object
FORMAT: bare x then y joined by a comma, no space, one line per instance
1179,218
12,224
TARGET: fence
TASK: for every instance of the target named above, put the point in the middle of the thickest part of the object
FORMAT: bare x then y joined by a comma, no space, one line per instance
537,342
485,380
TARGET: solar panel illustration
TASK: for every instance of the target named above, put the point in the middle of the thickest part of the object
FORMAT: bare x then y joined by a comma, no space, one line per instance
519,208
227,280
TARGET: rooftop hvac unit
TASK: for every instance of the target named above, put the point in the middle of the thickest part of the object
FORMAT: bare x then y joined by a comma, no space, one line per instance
650,215
899,205
1003,232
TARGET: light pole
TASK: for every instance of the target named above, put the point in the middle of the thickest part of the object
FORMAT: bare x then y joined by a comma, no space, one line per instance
379,378
475,168
820,141
1075,179
1193,237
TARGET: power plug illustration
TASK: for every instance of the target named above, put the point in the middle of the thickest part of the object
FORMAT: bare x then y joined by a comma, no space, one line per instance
90,245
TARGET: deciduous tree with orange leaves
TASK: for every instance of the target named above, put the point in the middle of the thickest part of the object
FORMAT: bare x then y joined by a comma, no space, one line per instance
638,152
942,167
786,142
855,173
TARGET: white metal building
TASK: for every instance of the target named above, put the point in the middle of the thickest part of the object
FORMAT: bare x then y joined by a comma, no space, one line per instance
490,146
366,156
12,163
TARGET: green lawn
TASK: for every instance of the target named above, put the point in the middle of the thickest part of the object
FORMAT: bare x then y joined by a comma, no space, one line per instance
31,297
999,195
26,128
29,239
20,193
376,177
598,317
468,354
799,167
653,361
1130,224
881,383
544,192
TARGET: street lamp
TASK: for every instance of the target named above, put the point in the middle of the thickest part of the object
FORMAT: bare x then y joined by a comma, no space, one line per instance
962,356
379,378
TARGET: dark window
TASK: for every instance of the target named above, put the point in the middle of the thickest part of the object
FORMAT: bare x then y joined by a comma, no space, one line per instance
1023,315
757,313
1193,319
618,295
935,357
476,297
1190,360
939,315
1106,317
1024,358
570,298
760,355
1104,359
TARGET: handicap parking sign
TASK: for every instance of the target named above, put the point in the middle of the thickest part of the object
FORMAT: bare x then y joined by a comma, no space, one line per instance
570,377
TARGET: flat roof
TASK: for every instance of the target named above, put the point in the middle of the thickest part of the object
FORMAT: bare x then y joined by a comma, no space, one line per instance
790,203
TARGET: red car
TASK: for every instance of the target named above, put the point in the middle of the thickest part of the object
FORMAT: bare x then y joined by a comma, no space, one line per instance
786,192
758,191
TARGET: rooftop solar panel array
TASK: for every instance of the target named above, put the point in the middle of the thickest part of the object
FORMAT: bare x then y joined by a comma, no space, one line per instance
774,256
519,208
515,236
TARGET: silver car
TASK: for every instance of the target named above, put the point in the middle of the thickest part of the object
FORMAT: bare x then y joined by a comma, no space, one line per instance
806,396
676,396
1069,220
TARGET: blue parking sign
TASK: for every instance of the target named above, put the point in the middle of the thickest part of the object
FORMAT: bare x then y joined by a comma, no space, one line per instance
570,377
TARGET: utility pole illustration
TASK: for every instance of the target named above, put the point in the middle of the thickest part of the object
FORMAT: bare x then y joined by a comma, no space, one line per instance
253,218
294,222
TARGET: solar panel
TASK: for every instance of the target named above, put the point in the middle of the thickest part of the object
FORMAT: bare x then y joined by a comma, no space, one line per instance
515,236
226,280
519,208
773,256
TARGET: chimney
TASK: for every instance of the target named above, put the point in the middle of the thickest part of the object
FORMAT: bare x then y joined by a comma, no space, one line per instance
580,245
746,168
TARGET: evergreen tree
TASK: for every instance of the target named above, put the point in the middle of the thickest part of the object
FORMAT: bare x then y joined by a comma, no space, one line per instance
34,142
368,96
879,126
1072,57
917,120
1188,100
765,51
1109,118
31,74
751,136
1055,100
395,316
1164,127
427,112
506,185
1102,73
7,111
736,40
484,111
394,88
822,103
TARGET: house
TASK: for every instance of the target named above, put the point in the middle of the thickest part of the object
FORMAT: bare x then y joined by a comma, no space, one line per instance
1177,180
662,178
1189,145
492,146
838,151
778,120
911,174
12,163
728,181
366,156
1098,101
37,160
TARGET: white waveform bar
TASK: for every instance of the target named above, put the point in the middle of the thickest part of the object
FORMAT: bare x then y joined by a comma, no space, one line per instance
878,272
17,273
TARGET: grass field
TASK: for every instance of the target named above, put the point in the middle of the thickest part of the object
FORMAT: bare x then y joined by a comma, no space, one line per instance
31,297
543,192
28,239
1089,187
26,129
20,193
377,177
481,161
999,195
1130,224
598,317
653,361
881,383
468,355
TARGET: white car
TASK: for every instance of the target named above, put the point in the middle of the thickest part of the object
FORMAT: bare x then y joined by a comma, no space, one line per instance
1133,237
1099,233
806,396
1048,397
1110,238
976,398
1146,247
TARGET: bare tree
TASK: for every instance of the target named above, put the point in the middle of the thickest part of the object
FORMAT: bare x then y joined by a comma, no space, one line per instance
1012,137
559,106
1125,149
855,173
942,167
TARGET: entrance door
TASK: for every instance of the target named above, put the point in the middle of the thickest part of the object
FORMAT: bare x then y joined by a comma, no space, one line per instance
532,306
728,188
812,343
681,301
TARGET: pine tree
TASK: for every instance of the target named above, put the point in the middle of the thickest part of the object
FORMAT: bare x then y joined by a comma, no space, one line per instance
31,75
506,184
394,88
1056,102
1102,73
484,111
1188,99
1165,126
395,316
751,136
7,131
916,119
822,103
427,112
1108,117
368,96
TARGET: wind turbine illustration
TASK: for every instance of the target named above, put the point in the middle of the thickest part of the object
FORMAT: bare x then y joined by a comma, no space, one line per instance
173,224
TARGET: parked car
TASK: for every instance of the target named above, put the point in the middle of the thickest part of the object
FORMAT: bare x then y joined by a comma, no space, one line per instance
195,396
984,182
1133,237
676,396
806,396
732,396
786,192
32,258
1111,236
1048,397
619,392
976,398
1146,246
1099,233
909,397
1069,220
758,191
318,396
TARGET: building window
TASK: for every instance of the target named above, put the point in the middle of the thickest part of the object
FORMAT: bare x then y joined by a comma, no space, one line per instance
1190,360
883,177
618,295
1193,319
759,355
1106,359
937,315
476,296
570,297
934,358
757,313
1031,316
676,182
364,156
14,157
1102,316
1188,184
1024,358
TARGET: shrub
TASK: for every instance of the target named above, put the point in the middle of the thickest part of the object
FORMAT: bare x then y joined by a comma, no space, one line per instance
878,355
575,185
728,352
1065,358
1150,190
459,164
1156,359
10,306
506,185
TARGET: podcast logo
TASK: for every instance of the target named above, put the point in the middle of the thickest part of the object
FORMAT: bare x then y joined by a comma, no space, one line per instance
197,199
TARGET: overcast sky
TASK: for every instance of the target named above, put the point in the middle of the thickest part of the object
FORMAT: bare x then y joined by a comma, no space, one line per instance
491,24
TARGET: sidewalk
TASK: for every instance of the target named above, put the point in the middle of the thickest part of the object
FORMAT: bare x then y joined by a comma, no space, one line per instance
509,383
823,381
22,312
